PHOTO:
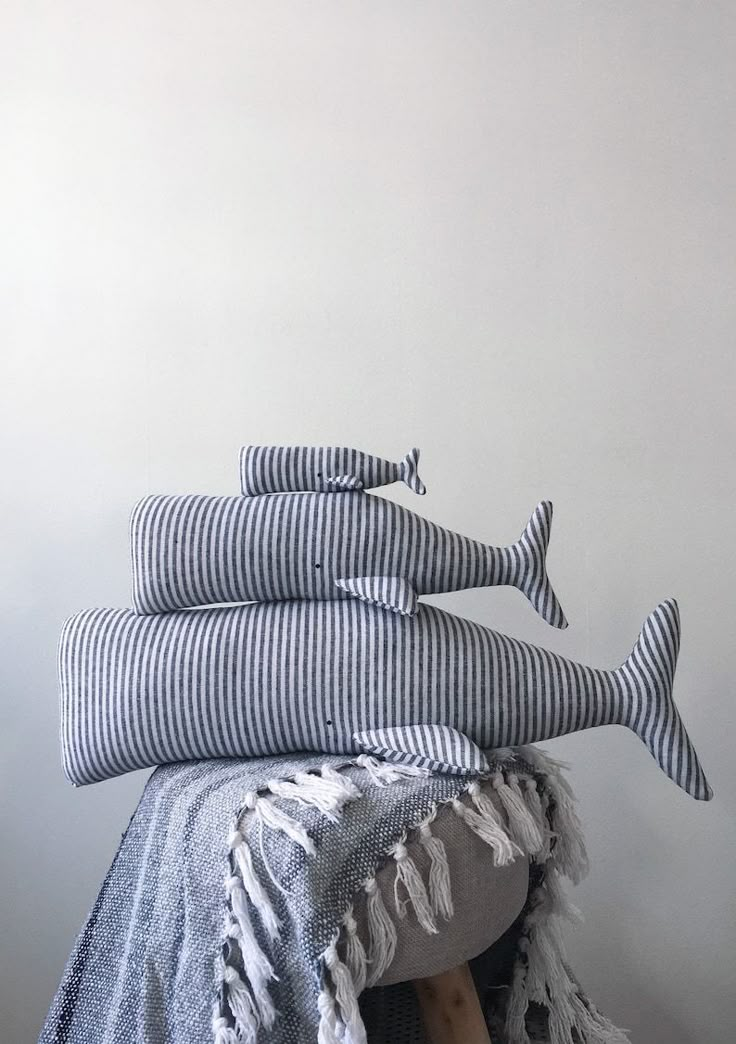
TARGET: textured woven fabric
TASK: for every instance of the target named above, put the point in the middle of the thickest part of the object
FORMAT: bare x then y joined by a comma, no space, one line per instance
268,678
143,969
293,469
196,550
147,967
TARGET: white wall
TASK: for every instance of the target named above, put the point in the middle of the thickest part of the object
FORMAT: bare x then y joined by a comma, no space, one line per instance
502,232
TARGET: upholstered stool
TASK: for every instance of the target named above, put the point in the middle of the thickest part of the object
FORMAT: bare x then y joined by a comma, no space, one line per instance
335,901
486,900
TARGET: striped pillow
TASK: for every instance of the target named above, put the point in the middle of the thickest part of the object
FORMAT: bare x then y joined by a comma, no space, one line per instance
274,677
326,469
196,550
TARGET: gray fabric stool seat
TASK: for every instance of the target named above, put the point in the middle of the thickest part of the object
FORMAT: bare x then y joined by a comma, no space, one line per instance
486,899
324,848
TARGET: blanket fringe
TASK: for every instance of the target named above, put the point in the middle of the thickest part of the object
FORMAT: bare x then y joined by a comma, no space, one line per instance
382,773
524,830
222,1031
328,791
345,993
328,1028
440,885
256,892
517,1004
486,821
488,830
523,818
570,855
271,815
346,784
355,955
542,976
382,936
241,1005
540,973
408,875
537,811
257,966
559,902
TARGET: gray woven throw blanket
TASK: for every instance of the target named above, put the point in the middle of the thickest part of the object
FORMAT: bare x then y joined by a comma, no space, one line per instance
226,916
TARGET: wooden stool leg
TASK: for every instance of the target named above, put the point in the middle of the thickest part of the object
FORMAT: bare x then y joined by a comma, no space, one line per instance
451,1009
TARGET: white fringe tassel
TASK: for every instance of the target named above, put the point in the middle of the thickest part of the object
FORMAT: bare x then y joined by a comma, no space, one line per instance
546,981
328,1028
382,773
488,830
518,1002
522,826
256,892
381,933
222,1031
241,1005
272,816
569,851
494,829
538,804
534,802
440,885
327,792
349,789
355,955
541,974
346,995
557,898
408,875
257,966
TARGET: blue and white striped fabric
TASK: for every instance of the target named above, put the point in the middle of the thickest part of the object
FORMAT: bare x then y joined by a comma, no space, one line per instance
389,592
324,469
436,748
196,550
276,677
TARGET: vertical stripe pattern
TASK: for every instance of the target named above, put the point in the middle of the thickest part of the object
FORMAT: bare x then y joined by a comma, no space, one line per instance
270,678
196,550
434,747
325,469
388,592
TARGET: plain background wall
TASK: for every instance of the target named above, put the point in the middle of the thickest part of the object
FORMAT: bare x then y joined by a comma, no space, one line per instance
501,232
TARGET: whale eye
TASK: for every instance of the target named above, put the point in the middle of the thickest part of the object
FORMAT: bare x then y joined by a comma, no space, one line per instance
317,565
329,721
319,474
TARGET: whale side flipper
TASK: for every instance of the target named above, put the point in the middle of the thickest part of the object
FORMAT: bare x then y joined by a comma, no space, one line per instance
409,474
530,553
389,592
342,484
648,675
438,748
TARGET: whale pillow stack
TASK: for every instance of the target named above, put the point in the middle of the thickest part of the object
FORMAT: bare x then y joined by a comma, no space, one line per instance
290,618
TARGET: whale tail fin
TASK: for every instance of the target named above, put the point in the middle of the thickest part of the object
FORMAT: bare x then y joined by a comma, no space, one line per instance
409,474
648,674
529,556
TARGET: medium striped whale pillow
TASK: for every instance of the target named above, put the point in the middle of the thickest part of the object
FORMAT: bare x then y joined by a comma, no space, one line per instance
196,550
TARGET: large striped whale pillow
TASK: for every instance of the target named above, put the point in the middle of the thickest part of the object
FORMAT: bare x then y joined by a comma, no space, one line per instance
274,677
